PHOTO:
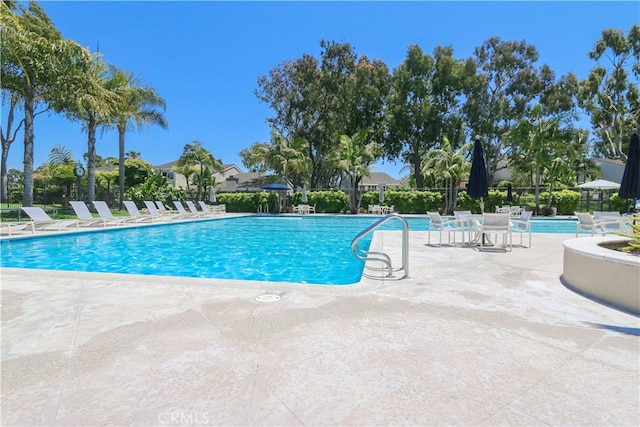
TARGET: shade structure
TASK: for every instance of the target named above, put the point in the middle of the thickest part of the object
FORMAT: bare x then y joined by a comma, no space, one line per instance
304,194
630,184
212,195
478,187
509,193
281,191
599,184
381,193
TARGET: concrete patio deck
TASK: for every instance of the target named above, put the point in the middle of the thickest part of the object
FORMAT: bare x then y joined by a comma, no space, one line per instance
470,338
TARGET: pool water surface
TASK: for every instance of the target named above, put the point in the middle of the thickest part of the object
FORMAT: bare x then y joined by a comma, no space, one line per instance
298,249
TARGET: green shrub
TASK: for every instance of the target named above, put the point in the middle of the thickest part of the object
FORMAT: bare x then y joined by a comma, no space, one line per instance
619,204
405,201
332,201
247,202
566,201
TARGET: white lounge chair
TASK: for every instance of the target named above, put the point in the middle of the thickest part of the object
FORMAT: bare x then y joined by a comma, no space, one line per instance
155,213
182,211
161,208
496,224
105,213
211,210
602,225
17,225
85,217
440,225
42,221
522,225
135,213
194,210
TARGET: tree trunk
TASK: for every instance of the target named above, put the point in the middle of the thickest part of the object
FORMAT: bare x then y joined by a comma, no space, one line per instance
417,174
121,132
27,197
91,158
6,143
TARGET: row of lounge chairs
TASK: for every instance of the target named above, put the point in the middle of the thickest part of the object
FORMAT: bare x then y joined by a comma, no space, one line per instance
156,211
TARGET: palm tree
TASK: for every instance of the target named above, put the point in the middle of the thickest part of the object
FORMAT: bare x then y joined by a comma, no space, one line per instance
94,107
196,156
448,165
137,107
288,159
132,154
355,157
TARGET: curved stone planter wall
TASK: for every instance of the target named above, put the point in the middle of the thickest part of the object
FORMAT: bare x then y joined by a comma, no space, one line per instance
605,275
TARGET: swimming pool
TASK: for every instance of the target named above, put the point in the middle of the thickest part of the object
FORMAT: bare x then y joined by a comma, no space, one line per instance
299,249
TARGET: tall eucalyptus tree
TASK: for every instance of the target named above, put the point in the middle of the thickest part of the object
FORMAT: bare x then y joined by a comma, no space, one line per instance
320,100
506,84
424,104
610,94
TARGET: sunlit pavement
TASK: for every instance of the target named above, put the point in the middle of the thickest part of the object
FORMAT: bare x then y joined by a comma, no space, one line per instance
470,338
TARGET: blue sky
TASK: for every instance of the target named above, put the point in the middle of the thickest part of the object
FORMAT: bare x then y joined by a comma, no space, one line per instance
205,57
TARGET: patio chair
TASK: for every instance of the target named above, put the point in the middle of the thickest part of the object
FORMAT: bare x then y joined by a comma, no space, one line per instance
42,221
465,220
496,224
104,212
84,215
440,225
375,209
602,225
522,225
135,213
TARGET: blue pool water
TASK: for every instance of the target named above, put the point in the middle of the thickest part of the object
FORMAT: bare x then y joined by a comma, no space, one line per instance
309,249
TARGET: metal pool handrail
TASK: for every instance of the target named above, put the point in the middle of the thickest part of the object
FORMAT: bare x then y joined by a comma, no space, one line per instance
363,255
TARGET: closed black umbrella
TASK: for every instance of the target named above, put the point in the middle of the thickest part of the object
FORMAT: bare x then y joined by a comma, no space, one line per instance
478,187
630,184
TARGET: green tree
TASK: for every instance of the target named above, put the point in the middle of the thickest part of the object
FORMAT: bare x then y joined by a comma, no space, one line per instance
136,171
196,156
39,70
59,169
424,104
610,94
354,157
287,159
137,107
447,166
319,100
545,145
506,84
